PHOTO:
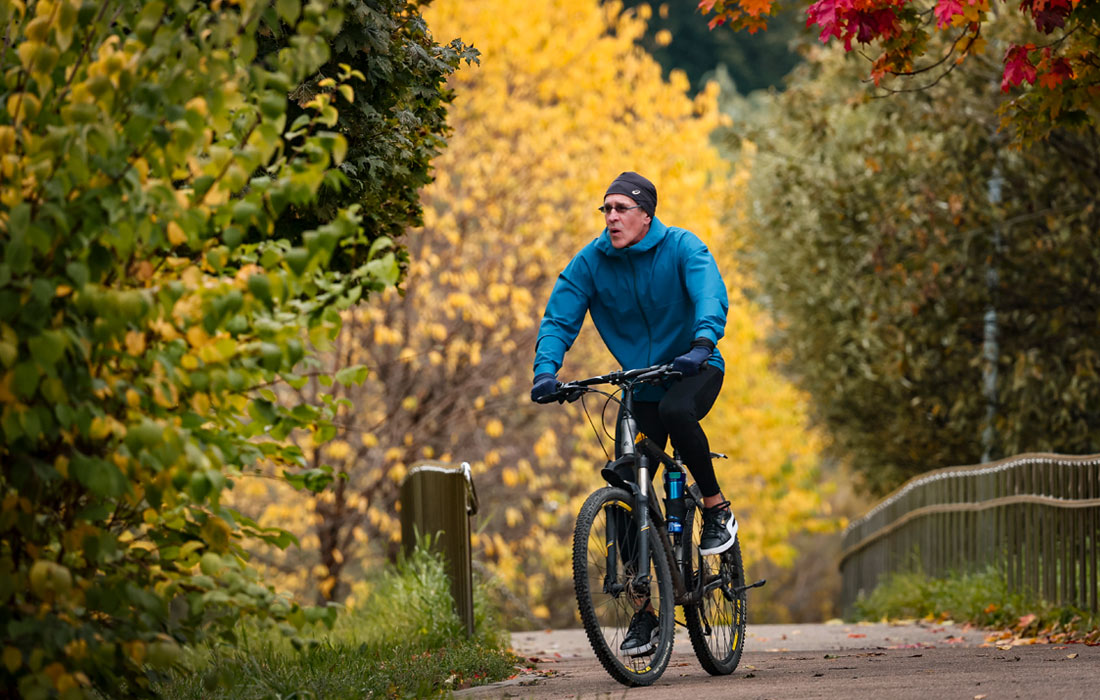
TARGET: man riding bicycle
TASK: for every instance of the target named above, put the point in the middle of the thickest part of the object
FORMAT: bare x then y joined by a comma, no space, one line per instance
656,296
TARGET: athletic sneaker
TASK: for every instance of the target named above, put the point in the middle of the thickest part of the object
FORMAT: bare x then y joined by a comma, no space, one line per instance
719,529
641,638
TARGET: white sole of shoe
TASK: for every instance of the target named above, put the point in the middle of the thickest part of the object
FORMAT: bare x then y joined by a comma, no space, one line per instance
645,648
731,527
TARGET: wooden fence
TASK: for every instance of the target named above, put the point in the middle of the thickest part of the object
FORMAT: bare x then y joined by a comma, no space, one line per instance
1036,517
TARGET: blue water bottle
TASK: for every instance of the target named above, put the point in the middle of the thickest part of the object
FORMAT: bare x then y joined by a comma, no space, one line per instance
674,504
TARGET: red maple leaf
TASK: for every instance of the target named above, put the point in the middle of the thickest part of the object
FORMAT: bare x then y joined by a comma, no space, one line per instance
1060,70
1018,67
1048,14
824,14
859,20
946,10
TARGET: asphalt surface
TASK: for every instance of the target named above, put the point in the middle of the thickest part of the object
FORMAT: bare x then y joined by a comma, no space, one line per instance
826,661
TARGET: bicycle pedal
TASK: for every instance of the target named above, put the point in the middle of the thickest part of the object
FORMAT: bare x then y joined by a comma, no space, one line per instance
741,589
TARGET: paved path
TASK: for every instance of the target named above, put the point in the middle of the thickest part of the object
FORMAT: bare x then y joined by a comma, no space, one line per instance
829,661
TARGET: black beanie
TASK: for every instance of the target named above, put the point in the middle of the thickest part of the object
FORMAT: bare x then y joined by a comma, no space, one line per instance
637,188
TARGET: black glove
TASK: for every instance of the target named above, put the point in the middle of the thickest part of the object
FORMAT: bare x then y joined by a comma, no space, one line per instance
545,384
692,362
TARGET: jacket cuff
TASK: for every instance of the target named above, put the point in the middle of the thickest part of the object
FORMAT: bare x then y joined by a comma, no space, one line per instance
703,343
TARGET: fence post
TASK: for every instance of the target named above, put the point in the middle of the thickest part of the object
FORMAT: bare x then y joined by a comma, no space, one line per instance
437,500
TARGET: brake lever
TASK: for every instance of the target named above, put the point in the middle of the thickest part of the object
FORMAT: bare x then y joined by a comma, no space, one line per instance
571,394
660,374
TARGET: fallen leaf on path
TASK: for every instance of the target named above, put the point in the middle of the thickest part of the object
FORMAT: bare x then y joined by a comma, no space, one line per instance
1071,656
855,635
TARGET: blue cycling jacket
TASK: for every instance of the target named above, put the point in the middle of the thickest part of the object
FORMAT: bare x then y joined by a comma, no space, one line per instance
648,301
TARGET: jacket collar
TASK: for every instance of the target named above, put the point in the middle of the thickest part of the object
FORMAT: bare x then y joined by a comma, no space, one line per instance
656,233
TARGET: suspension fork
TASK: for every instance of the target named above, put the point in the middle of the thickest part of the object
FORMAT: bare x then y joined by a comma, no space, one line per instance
628,431
628,428
643,523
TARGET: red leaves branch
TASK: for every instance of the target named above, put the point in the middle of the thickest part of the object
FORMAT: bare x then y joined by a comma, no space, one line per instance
862,20
865,21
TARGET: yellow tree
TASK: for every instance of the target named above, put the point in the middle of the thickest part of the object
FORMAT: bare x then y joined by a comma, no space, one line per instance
562,102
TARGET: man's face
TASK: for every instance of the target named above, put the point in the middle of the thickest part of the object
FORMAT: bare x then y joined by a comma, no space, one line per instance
628,227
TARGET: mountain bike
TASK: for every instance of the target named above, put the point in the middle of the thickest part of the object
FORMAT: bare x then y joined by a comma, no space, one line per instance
630,555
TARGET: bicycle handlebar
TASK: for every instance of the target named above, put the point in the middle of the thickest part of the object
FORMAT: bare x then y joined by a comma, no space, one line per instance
571,391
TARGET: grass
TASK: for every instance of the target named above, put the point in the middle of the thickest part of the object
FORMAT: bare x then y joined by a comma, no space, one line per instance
404,641
981,598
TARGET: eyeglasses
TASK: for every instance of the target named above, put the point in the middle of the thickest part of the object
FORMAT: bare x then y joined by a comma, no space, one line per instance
621,209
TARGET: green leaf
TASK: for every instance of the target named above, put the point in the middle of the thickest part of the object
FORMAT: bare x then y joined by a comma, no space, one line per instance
260,287
78,273
384,269
381,243
314,480
288,10
355,374
47,348
99,476
297,259
26,379
263,411
19,219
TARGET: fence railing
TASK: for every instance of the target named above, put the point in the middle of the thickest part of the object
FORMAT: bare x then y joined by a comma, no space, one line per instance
1036,517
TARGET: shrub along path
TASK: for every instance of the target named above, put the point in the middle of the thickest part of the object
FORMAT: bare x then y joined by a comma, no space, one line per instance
823,661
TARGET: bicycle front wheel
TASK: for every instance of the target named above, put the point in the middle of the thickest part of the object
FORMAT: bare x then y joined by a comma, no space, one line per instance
612,588
716,623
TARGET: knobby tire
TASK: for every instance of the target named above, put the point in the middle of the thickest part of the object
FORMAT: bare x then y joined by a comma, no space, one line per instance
716,624
606,616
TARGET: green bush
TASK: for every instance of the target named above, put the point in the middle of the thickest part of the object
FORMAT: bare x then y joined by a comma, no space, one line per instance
153,297
981,598
405,640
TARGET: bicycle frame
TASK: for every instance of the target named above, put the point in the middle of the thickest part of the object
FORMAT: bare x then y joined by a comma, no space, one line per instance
646,506
628,447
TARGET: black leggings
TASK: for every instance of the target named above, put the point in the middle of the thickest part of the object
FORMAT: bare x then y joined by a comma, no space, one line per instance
677,415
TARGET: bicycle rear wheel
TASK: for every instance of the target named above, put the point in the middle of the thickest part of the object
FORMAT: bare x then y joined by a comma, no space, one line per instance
611,587
716,624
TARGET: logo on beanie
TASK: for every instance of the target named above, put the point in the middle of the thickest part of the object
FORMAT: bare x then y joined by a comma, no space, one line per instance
635,192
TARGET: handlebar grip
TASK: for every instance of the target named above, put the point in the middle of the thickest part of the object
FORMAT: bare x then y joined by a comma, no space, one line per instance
564,393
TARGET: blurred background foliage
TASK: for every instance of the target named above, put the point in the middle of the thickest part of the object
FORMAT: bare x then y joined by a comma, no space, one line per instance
679,38
934,286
